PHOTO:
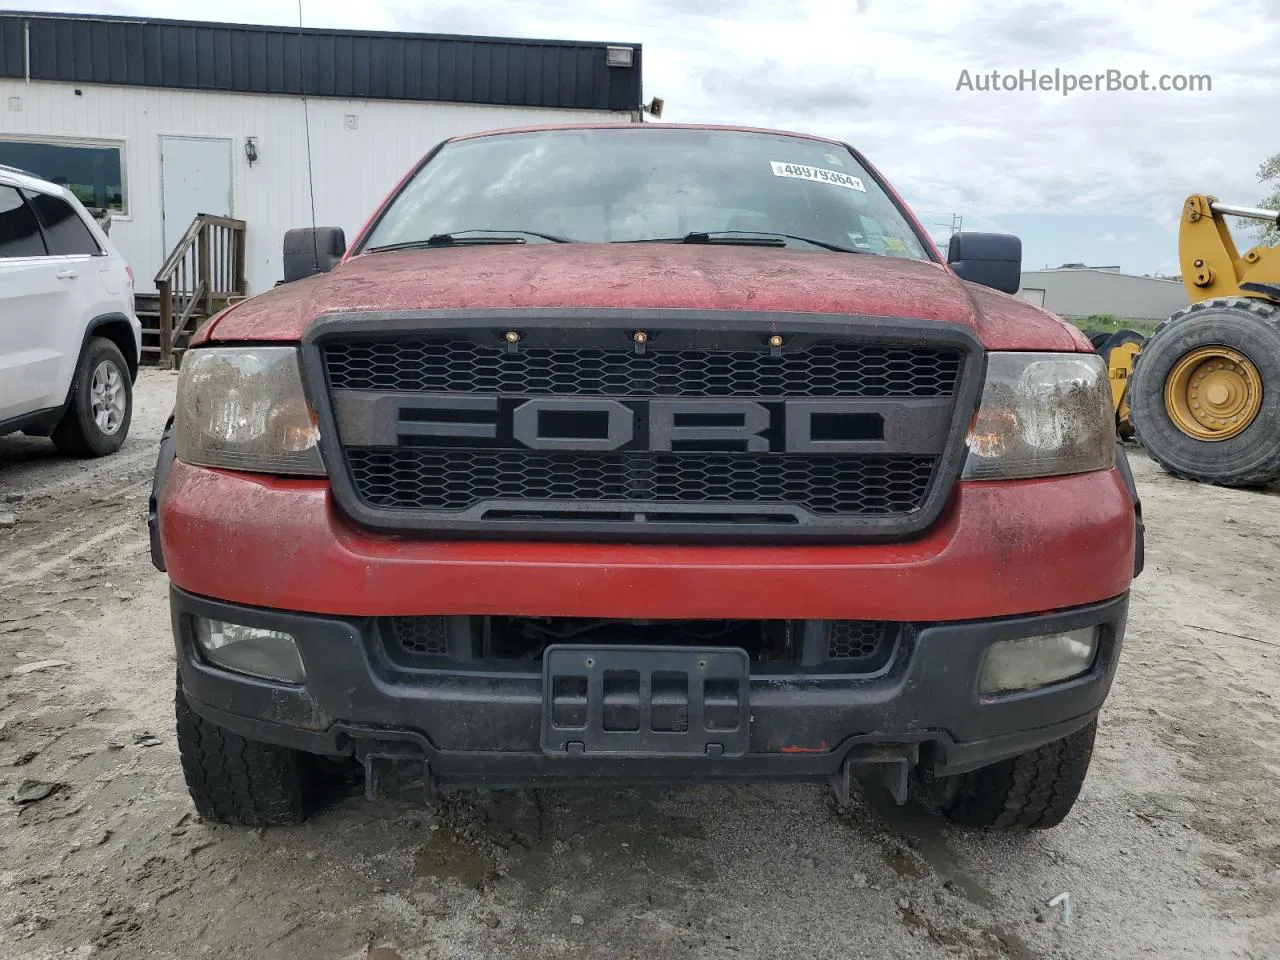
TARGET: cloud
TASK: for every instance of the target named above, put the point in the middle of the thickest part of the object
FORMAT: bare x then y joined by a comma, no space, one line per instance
883,76
775,90
1009,35
726,9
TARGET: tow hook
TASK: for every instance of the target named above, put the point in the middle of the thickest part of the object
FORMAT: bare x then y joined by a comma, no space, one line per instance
397,771
887,766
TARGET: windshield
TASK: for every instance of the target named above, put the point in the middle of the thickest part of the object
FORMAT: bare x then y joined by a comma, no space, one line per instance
631,184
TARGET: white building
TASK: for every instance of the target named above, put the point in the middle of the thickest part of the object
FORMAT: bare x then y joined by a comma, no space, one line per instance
161,120
1075,291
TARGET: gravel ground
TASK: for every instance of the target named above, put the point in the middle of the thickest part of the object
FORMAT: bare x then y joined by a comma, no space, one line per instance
1173,850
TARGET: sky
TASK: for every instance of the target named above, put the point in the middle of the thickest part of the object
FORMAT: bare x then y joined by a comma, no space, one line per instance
1096,177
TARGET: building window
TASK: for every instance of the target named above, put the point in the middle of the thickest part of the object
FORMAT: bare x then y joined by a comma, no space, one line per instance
93,172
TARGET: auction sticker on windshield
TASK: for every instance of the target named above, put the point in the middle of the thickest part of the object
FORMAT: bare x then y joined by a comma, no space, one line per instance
819,174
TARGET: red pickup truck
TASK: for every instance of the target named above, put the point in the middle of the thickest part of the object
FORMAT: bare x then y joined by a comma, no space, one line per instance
644,453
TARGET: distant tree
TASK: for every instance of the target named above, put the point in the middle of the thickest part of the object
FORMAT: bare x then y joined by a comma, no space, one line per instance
1269,174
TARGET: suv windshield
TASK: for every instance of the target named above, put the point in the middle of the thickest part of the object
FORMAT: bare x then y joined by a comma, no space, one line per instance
632,184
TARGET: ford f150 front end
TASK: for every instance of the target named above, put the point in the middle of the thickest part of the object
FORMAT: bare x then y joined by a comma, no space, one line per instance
645,453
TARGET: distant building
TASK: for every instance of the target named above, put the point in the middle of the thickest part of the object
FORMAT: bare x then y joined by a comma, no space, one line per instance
1115,268
1074,290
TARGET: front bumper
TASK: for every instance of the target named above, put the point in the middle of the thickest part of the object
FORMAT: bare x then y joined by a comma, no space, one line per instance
481,725
1001,548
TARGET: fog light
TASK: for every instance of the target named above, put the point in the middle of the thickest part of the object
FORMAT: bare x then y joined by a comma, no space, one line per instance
1031,662
268,654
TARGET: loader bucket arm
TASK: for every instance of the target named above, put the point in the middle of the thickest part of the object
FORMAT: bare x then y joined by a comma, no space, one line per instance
1211,264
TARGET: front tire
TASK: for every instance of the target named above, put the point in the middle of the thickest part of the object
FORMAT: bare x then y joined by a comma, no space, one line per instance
100,409
238,781
1032,791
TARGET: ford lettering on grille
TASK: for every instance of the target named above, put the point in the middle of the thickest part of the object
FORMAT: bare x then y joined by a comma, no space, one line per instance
600,424
702,433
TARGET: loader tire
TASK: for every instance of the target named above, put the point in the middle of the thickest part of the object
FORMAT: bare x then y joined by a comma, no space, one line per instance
1243,327
1097,337
1032,791
238,781
1112,340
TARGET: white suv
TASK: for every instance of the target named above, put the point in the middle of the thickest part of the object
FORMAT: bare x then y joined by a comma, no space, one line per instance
69,339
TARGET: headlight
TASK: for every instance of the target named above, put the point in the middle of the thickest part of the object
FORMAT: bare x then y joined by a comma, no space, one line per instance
243,408
1042,415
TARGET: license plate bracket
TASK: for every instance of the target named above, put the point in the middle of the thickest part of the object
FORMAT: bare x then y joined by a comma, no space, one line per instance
645,701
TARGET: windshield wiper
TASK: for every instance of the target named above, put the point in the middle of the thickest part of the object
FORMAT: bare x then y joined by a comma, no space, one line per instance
455,239
444,239
439,240
746,238
726,236
773,240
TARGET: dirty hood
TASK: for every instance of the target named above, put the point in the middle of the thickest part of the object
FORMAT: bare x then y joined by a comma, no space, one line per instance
652,275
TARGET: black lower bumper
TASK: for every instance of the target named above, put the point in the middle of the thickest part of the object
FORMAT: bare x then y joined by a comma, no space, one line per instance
482,724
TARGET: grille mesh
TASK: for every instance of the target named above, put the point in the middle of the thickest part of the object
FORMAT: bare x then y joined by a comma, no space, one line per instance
855,639
420,635
865,640
458,478
823,369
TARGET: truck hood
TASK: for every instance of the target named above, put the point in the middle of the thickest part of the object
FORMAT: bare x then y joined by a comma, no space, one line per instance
648,275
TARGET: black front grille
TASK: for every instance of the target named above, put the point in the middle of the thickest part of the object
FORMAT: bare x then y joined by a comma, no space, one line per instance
822,369
850,427
417,479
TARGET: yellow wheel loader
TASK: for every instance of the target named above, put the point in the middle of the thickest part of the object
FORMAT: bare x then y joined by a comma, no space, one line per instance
1204,393
1120,351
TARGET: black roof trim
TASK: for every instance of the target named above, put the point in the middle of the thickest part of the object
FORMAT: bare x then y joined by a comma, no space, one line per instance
375,65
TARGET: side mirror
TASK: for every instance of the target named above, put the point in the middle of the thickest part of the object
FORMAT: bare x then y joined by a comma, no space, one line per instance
312,250
991,259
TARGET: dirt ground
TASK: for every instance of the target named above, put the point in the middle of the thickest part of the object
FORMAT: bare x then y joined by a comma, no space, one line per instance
1173,850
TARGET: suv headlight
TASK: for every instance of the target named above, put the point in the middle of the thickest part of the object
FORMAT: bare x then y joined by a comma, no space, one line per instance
1042,415
242,408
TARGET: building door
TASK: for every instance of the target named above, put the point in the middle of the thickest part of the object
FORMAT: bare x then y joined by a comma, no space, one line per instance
1032,295
195,177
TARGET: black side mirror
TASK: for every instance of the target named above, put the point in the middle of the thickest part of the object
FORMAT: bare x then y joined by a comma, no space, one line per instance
991,259
312,250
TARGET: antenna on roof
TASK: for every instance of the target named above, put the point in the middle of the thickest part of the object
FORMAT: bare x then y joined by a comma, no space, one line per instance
956,225
306,116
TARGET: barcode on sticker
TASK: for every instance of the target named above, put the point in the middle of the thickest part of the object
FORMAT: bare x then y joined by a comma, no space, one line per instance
819,174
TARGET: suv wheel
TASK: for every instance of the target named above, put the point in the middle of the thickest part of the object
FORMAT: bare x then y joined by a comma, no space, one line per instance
238,781
101,407
1034,790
